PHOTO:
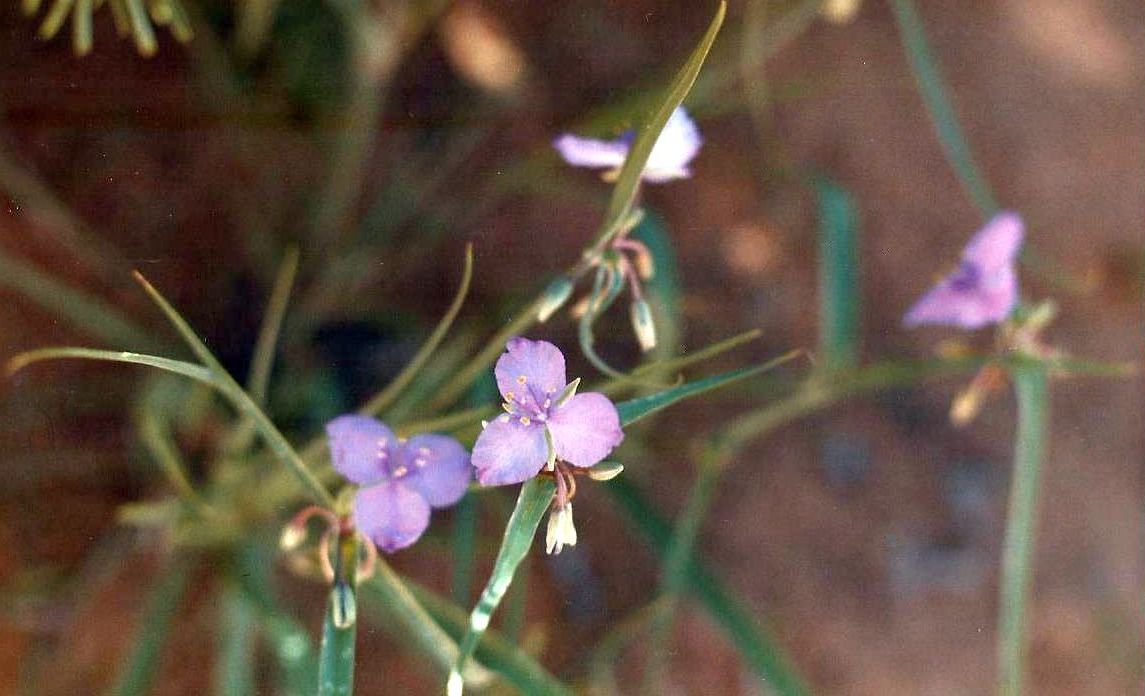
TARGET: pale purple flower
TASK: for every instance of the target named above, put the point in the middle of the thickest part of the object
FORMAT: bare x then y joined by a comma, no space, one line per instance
400,479
545,419
673,152
984,288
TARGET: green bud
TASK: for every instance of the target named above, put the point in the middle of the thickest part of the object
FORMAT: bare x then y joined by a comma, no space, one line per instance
554,298
643,325
605,471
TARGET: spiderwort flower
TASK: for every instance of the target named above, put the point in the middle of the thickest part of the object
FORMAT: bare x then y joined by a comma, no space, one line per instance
984,288
673,152
400,479
545,419
546,426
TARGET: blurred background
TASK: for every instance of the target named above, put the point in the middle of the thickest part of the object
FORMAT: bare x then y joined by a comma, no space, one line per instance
380,138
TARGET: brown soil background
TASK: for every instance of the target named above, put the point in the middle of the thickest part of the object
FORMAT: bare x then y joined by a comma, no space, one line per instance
879,583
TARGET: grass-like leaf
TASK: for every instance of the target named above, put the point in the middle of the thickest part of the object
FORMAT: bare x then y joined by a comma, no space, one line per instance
421,630
759,649
839,300
935,95
239,399
234,666
628,180
386,397
137,674
340,626
635,409
195,372
84,311
496,652
1030,387
533,501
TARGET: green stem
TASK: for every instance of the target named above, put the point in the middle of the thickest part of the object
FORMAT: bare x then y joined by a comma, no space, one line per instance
1018,546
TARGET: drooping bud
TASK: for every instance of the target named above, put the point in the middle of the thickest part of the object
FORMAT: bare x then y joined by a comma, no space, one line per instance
292,536
643,325
554,298
605,471
561,531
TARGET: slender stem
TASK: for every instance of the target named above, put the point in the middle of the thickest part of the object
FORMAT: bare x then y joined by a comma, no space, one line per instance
1018,545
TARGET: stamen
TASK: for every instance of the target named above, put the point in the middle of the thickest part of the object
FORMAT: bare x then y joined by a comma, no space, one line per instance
525,420
521,379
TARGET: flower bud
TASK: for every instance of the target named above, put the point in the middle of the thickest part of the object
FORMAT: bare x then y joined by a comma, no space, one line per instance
554,298
605,471
643,325
292,537
561,531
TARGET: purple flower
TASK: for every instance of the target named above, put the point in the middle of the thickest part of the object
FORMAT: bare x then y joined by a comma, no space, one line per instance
984,288
545,419
400,479
673,152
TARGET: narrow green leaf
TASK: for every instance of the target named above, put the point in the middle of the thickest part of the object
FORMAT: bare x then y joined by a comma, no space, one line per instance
759,649
55,18
195,372
81,28
628,181
241,401
635,409
137,674
533,501
935,95
291,646
1030,387
141,29
839,301
463,543
340,626
421,631
386,397
508,661
262,361
336,655
234,667
86,312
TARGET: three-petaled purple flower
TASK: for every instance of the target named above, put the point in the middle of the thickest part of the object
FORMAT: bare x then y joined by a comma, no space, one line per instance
673,152
984,288
400,479
545,421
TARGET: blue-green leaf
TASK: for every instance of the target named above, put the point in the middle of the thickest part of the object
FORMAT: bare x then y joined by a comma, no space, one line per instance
635,409
137,675
839,301
533,501
1030,386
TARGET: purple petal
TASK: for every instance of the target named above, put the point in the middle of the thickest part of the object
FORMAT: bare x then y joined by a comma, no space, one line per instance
988,301
438,468
996,245
508,452
674,149
392,514
360,447
533,369
585,429
588,152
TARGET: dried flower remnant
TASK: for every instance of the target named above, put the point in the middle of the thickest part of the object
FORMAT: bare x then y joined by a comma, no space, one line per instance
400,479
547,426
983,290
673,152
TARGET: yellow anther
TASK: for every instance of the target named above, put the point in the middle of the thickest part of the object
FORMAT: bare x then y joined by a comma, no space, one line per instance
521,379
525,420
